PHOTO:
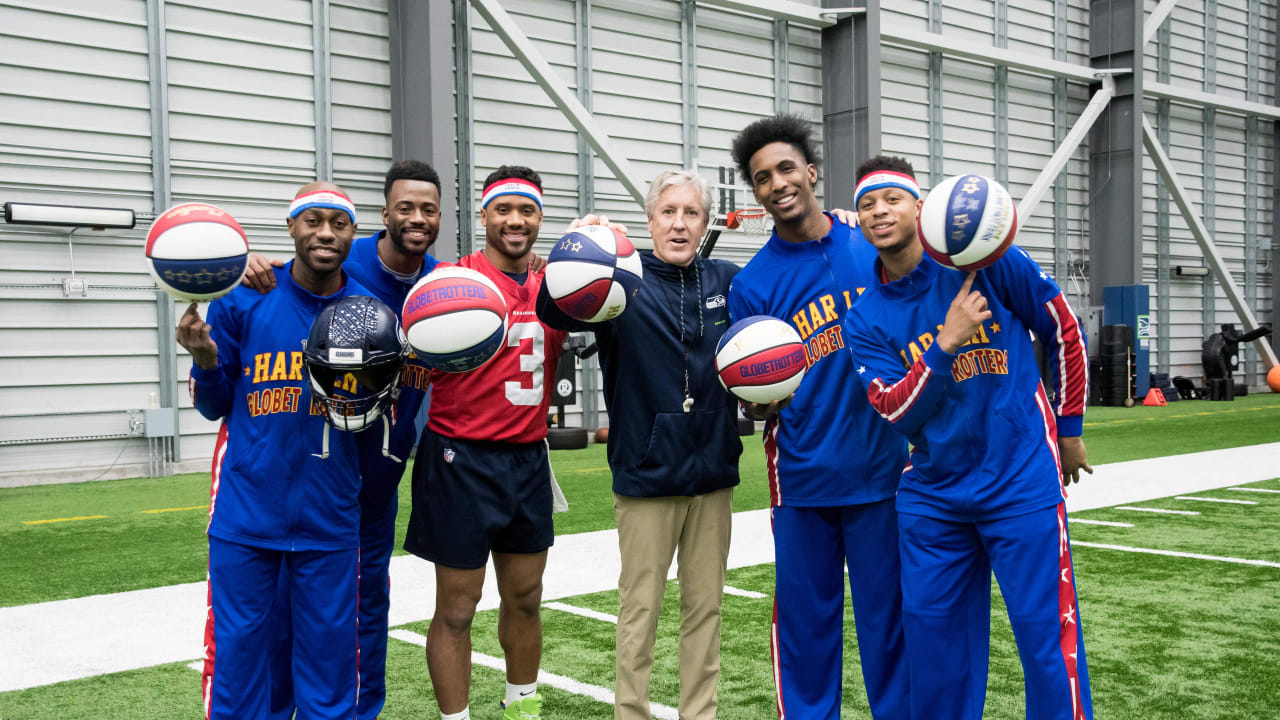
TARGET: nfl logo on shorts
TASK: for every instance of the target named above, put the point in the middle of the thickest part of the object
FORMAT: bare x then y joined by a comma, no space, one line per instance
449,455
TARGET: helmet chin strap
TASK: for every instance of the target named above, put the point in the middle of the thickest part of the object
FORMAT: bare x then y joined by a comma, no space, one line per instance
324,445
386,439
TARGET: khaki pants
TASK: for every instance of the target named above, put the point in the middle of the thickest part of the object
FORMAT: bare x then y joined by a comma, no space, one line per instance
649,531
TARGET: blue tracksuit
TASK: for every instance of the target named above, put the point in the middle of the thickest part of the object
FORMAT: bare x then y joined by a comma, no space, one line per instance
279,513
983,489
833,468
380,477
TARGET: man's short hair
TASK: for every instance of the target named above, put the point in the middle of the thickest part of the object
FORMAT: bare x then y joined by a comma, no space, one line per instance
878,163
410,170
518,172
791,129
671,178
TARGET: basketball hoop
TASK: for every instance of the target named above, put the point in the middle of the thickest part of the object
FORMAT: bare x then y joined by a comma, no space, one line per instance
751,221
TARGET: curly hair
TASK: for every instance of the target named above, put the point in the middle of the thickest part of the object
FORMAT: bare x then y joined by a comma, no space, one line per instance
892,163
410,170
791,129
519,172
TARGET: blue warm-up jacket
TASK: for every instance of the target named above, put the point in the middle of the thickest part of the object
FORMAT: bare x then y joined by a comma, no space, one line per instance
381,473
983,431
828,447
655,448
270,488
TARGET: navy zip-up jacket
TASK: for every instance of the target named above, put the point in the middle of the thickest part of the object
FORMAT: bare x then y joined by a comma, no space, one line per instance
655,448
984,434
270,488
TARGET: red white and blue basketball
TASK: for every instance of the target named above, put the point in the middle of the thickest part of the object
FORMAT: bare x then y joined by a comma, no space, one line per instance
197,252
967,222
760,359
455,319
592,272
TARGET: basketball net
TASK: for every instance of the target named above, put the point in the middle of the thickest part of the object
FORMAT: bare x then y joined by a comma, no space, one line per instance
751,221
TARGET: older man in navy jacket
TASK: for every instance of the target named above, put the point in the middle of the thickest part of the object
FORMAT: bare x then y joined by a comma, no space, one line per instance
673,445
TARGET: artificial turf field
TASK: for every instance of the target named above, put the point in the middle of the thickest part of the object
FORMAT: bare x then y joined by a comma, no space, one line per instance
1167,637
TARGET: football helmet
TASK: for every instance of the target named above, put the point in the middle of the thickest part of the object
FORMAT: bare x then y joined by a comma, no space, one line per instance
354,356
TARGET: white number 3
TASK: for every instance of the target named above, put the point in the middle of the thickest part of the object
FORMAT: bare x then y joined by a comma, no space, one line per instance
530,362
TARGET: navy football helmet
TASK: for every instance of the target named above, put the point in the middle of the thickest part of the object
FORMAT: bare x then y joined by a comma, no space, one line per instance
354,356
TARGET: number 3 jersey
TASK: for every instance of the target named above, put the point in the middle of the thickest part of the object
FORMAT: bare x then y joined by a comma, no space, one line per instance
506,399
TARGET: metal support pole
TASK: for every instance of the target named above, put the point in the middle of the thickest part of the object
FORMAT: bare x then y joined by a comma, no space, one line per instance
467,217
588,367
850,98
524,51
1058,162
322,81
1164,289
1165,167
1061,257
162,197
422,104
586,166
1115,149
934,109
1156,20
688,82
1000,102
1209,194
1253,50
1209,206
781,67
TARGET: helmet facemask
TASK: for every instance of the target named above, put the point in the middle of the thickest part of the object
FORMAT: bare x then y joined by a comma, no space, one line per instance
354,357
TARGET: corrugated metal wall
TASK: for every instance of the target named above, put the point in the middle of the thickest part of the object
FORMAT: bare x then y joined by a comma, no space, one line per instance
76,117
74,129
943,114
75,111
1224,162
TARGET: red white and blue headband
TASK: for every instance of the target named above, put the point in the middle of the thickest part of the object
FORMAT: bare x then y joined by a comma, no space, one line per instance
882,179
511,186
322,199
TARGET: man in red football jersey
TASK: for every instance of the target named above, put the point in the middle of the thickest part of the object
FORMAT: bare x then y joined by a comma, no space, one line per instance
482,477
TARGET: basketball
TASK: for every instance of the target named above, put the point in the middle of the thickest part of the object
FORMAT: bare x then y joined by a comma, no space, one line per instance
1273,378
592,272
967,222
760,359
196,252
455,319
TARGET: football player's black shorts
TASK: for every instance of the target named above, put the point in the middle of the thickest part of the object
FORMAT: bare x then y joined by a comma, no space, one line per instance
471,498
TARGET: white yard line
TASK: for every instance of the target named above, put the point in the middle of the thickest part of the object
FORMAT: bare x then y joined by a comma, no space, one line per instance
1162,511
1257,490
560,682
1174,553
64,640
1217,500
730,590
1108,523
584,612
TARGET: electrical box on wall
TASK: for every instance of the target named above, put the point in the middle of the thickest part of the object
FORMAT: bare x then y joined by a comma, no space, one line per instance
159,422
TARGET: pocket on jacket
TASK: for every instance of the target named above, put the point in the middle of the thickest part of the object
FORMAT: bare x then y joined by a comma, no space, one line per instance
668,462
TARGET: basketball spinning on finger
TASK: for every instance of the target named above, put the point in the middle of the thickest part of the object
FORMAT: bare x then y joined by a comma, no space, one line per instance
967,222
593,272
196,251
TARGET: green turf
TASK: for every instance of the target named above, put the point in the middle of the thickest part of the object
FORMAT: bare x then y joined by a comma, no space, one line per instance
1168,639
86,557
